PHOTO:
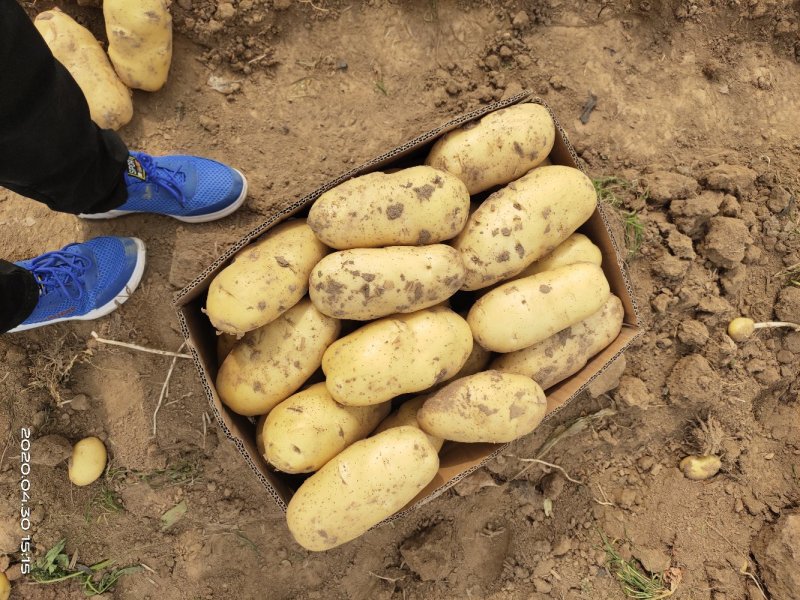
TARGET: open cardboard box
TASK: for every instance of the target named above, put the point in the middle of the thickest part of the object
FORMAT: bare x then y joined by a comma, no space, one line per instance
456,460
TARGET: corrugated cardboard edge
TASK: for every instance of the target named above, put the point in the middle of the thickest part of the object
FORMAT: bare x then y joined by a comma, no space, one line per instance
193,289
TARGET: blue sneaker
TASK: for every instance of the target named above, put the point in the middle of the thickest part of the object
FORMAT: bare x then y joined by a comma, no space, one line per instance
84,281
188,188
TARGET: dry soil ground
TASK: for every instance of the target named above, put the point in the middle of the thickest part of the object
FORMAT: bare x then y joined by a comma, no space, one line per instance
697,102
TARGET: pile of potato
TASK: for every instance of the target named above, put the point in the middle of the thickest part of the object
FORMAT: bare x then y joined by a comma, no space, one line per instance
361,289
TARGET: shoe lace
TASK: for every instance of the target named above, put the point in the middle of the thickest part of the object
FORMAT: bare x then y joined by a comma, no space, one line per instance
56,270
168,179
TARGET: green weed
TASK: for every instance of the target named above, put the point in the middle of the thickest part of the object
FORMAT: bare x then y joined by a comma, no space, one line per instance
635,583
379,85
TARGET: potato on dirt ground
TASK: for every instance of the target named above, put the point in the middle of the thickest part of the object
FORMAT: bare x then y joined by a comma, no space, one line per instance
265,279
523,222
360,487
501,147
309,428
88,461
527,311
139,41
406,415
486,407
568,351
414,206
396,355
576,248
75,47
272,362
369,283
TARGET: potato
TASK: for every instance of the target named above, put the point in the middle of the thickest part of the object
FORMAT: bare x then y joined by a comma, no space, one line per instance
414,206
225,343
406,416
568,351
309,428
369,283
272,362
499,148
74,47
88,461
5,587
486,407
523,222
139,41
477,361
527,311
576,248
396,355
265,279
360,487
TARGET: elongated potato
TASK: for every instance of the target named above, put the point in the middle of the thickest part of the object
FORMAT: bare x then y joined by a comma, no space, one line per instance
406,415
396,355
74,47
139,41
272,362
568,351
265,279
414,206
527,311
360,487
369,283
486,407
309,428
576,248
499,148
523,222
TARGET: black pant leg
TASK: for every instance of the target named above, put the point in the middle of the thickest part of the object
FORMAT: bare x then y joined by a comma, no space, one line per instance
50,150
19,294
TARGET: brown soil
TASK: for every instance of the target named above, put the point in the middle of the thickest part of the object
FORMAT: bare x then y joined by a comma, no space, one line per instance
696,100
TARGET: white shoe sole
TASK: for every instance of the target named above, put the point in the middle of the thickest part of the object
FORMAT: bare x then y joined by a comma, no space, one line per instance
231,208
108,307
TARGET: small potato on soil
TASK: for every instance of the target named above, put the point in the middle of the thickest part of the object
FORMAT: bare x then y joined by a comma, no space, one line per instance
699,468
88,461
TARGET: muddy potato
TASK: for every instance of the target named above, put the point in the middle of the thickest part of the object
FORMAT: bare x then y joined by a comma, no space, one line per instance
576,248
369,283
265,279
272,362
360,487
486,407
88,461
309,428
406,415
499,148
568,351
523,222
527,311
396,355
414,206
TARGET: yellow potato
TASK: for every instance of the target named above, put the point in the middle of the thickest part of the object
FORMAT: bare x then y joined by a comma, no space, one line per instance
523,222
369,283
499,148
74,47
396,355
527,311
88,461
576,248
5,587
486,407
272,362
309,428
360,487
414,206
265,279
568,351
406,416
225,343
139,41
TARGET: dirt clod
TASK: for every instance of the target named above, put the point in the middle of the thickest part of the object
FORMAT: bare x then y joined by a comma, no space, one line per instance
777,551
429,553
726,241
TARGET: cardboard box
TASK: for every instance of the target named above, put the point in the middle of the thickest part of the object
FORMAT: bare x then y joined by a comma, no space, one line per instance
457,460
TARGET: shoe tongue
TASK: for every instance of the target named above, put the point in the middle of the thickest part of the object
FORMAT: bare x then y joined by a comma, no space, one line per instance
136,169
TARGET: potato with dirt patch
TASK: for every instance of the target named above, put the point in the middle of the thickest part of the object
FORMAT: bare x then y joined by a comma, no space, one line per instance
265,279
309,428
486,407
271,363
568,351
576,248
406,416
499,148
523,222
410,207
527,311
360,487
369,283
397,355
